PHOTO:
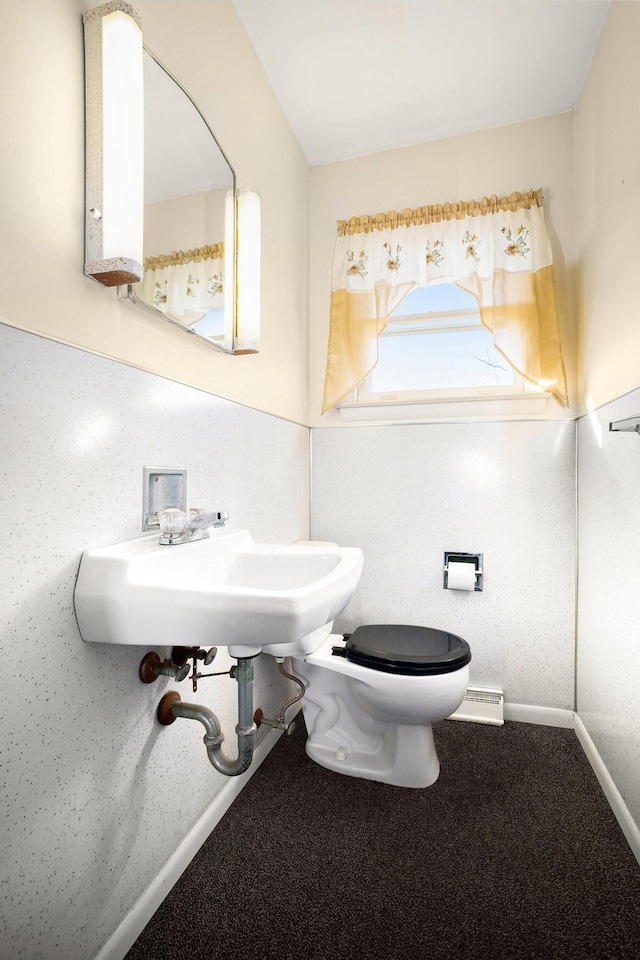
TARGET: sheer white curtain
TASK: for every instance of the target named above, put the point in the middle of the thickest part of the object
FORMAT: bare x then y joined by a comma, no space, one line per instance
185,284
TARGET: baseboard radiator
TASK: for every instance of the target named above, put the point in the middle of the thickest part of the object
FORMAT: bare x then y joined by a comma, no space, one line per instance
481,705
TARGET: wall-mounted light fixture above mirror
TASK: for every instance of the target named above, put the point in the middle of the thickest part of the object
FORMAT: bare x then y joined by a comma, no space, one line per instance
196,261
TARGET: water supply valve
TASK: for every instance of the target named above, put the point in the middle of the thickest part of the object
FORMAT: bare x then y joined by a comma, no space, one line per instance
180,656
153,667
278,723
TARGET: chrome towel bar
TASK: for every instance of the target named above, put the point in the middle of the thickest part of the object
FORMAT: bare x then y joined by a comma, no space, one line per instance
630,425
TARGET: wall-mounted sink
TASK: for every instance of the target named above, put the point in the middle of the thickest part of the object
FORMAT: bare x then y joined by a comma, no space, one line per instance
223,591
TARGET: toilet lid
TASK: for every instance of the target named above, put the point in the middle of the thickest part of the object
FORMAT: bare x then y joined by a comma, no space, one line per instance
406,649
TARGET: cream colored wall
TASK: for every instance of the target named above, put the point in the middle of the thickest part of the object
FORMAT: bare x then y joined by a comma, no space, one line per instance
43,289
535,153
607,145
183,223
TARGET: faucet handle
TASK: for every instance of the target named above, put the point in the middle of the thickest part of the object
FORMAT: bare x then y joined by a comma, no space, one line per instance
177,527
173,525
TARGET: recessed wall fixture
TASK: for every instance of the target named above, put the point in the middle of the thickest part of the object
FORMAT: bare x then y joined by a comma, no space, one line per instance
114,144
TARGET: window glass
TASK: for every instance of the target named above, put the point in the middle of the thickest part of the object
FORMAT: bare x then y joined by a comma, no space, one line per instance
437,297
435,341
444,360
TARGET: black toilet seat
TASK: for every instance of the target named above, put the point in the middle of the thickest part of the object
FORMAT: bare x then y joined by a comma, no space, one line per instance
405,649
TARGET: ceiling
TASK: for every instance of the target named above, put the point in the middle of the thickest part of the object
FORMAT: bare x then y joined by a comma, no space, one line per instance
360,76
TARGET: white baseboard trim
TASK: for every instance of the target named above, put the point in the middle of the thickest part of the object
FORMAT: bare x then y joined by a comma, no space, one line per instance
126,934
627,824
546,716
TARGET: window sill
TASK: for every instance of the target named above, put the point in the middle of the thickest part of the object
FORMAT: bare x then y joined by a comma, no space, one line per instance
503,407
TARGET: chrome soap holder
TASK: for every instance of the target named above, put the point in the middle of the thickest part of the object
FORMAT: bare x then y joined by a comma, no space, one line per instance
162,488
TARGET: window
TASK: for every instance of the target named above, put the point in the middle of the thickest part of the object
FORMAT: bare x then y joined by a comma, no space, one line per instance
436,346
497,247
437,361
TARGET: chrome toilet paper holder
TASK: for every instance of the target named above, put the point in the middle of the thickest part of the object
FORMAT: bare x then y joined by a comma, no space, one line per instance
455,556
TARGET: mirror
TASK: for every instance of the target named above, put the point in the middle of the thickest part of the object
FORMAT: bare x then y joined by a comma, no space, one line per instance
189,215
198,263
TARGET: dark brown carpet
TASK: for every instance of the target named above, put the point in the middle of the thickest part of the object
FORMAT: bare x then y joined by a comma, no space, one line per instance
514,854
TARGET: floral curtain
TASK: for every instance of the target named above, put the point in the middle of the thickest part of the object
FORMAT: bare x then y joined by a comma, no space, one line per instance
496,249
185,284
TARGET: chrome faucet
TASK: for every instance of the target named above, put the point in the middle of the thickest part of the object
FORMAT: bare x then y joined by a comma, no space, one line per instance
176,527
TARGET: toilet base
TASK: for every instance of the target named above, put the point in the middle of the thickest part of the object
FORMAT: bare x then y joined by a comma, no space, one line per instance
404,755
374,724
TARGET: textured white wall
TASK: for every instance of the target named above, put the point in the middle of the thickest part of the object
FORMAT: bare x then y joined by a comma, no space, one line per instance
95,795
608,662
405,494
607,140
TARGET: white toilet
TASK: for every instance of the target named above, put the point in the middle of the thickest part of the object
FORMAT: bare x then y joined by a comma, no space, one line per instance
372,696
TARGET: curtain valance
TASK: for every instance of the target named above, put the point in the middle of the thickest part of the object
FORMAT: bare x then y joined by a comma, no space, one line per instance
436,212
497,249
186,283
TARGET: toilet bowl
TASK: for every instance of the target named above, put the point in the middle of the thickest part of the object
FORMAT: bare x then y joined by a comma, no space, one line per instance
372,696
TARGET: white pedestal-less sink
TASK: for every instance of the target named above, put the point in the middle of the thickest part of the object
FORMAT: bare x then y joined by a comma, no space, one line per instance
226,590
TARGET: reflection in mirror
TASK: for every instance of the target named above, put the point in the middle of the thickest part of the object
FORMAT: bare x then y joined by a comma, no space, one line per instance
189,214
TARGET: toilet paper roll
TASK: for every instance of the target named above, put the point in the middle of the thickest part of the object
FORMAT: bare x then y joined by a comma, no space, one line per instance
462,576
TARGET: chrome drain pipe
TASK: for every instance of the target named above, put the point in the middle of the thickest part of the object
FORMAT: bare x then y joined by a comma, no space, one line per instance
171,707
